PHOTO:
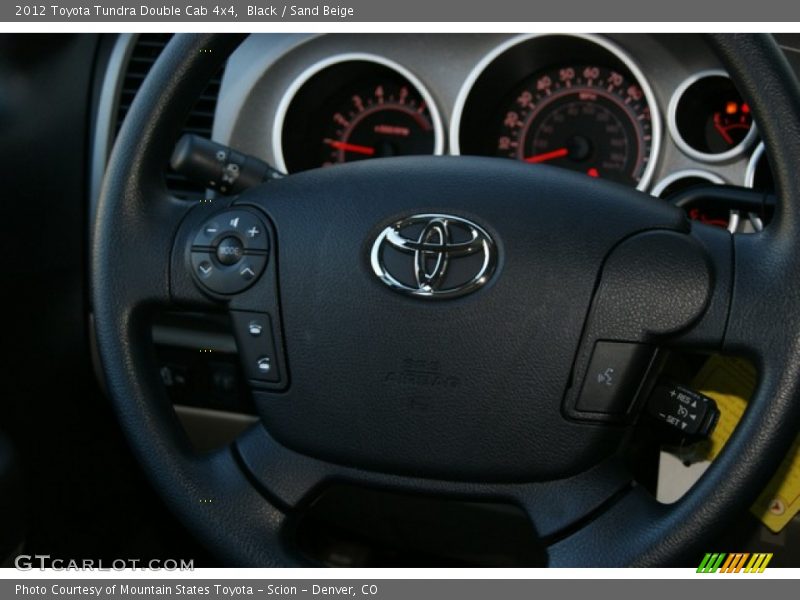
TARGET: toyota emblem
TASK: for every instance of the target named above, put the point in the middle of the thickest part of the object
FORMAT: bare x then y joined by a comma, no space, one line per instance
434,256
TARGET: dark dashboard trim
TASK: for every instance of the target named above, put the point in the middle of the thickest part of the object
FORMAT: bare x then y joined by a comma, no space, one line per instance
103,124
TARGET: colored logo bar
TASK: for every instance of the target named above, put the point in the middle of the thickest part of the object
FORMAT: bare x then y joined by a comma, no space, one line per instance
744,562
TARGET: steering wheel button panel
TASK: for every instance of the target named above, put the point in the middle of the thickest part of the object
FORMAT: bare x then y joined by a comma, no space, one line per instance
257,348
230,251
614,376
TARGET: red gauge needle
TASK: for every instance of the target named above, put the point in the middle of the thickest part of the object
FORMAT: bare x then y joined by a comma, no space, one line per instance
724,133
545,156
368,150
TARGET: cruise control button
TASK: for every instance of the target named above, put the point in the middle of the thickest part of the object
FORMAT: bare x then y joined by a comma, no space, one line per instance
612,380
683,413
230,250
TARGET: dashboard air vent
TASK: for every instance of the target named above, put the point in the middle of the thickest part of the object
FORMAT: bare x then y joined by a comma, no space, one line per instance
201,119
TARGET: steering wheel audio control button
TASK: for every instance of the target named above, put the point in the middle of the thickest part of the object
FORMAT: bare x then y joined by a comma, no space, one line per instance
213,274
209,233
230,250
257,347
211,229
247,272
239,223
264,365
612,381
254,233
205,269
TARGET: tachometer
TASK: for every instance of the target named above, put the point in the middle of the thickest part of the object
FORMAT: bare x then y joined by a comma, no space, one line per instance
355,107
380,118
586,118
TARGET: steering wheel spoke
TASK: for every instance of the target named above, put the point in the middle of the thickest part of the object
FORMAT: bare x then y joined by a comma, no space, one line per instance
708,332
616,535
290,479
213,485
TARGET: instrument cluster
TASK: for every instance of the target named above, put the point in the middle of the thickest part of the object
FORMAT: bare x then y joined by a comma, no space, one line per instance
573,101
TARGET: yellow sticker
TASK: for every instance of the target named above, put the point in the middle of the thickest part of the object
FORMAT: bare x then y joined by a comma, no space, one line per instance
731,382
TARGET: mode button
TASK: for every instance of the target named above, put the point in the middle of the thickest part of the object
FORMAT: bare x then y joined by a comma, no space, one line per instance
230,250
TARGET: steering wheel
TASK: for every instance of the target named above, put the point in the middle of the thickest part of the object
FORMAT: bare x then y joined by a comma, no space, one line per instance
436,325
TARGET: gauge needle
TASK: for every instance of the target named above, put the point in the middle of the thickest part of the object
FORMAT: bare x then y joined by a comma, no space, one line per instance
368,150
724,133
545,156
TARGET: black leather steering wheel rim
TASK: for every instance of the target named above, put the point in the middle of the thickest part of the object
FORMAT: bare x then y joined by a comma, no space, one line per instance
245,523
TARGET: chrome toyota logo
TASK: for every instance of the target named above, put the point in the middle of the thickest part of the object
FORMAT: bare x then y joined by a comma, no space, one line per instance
434,256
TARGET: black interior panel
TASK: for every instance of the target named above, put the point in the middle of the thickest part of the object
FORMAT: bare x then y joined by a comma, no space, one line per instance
84,495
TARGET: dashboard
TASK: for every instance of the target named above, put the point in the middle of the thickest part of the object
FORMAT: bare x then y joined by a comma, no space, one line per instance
655,112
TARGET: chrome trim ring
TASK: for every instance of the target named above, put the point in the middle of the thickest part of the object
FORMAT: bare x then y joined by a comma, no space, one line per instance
661,185
608,46
672,123
752,165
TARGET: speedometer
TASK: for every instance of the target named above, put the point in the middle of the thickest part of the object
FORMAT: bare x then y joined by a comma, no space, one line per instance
586,118
574,101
